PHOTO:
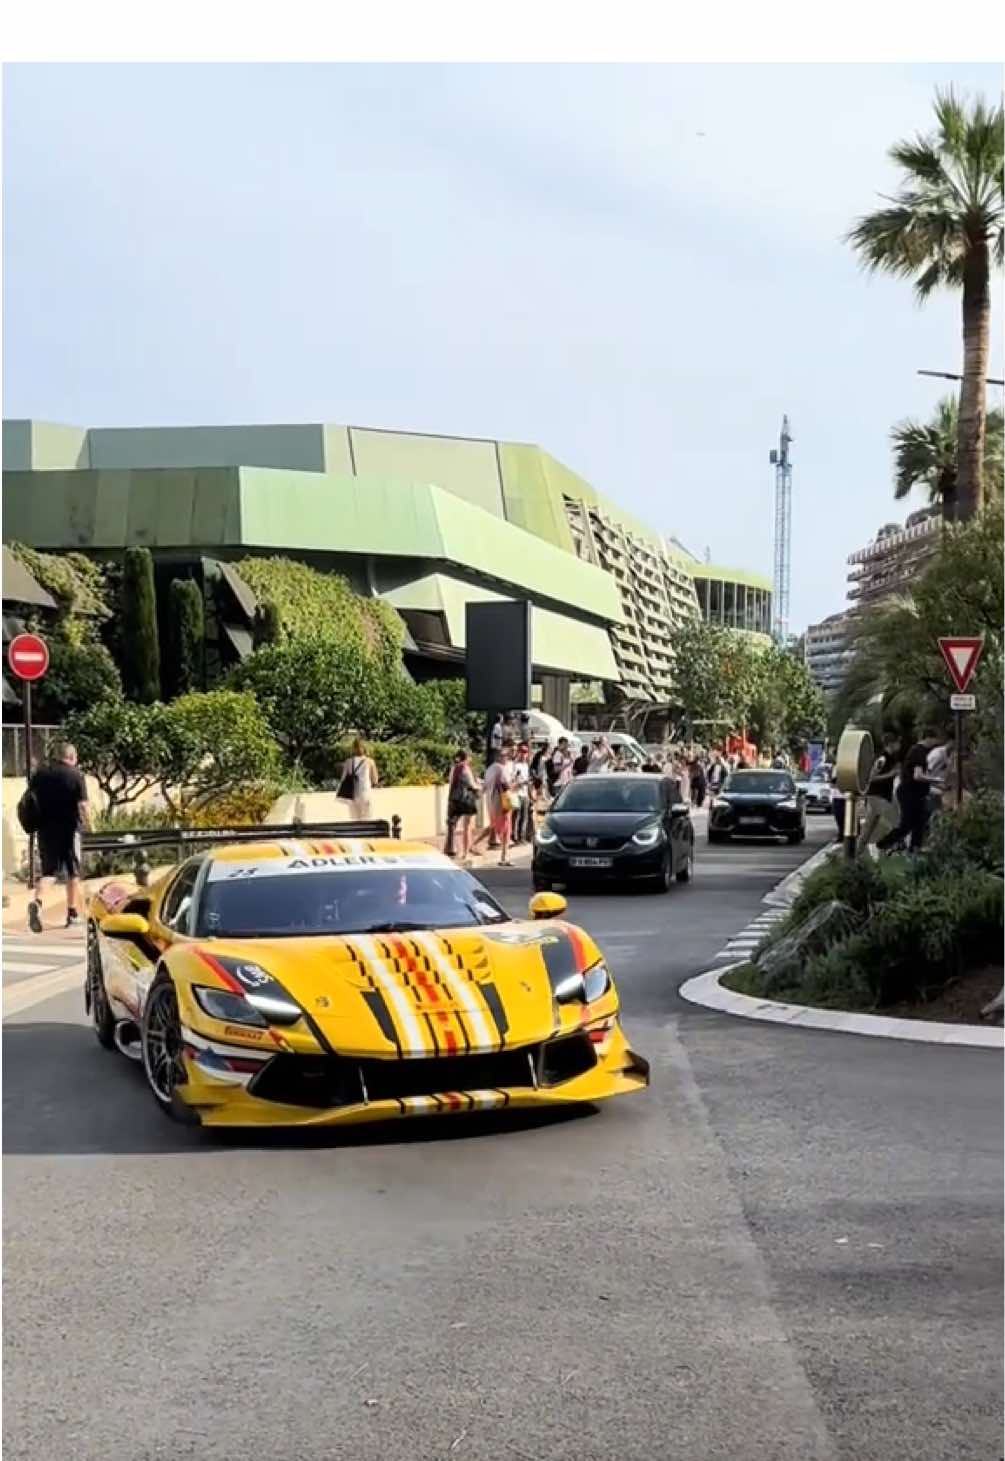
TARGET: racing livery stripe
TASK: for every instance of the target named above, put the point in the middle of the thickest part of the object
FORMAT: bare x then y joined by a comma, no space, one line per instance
490,994
377,1006
577,939
560,957
224,976
410,1033
465,992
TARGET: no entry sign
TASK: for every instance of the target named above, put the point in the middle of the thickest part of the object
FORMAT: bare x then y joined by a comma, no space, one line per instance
961,653
28,656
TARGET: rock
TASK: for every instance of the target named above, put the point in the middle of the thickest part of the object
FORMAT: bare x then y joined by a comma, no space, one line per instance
783,960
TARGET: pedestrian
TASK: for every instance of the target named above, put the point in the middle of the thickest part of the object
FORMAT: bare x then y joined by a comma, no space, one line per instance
496,737
359,777
696,770
937,770
537,769
914,788
880,812
717,773
462,804
58,794
498,804
581,765
599,756
521,819
560,766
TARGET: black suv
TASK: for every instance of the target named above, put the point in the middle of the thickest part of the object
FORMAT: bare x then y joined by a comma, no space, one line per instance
758,804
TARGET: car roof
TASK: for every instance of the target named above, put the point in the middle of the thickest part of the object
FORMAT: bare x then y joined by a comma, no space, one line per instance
287,847
620,776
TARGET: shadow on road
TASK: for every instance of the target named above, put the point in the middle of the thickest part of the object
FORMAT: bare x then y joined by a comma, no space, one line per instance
64,1095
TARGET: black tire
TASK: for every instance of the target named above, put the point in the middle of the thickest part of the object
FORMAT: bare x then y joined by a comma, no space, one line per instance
686,873
663,882
96,1000
160,1045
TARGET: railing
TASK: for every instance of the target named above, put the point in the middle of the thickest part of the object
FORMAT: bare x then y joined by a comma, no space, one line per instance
186,840
42,737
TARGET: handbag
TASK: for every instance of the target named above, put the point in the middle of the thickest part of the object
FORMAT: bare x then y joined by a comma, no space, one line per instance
347,786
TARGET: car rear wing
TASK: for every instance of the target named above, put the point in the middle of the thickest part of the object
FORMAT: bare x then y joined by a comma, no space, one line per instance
185,841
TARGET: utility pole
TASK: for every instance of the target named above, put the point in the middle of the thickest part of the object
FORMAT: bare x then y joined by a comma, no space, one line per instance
783,534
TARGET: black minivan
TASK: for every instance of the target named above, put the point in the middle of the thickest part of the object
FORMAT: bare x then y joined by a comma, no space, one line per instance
616,828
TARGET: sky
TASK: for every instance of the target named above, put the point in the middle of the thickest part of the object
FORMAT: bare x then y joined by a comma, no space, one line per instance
640,268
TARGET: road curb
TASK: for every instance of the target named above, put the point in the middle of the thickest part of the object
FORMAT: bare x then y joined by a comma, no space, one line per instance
707,991
784,894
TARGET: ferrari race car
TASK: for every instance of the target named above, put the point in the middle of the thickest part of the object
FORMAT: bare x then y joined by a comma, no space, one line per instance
322,980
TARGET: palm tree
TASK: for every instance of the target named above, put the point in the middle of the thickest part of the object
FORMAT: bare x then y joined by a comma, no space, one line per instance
926,455
944,226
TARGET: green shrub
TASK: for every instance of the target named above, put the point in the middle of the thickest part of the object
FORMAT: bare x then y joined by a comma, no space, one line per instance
79,676
184,662
121,745
211,744
973,834
315,605
139,648
399,763
77,583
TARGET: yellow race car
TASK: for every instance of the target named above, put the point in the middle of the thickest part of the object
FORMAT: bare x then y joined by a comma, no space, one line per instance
318,980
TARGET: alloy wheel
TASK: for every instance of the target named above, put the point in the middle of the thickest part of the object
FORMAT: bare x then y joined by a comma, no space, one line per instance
162,1044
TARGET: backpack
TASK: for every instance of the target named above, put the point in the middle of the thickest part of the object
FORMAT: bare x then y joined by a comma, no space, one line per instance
28,812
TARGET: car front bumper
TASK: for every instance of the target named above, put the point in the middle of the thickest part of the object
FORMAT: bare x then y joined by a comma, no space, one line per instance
582,865
773,823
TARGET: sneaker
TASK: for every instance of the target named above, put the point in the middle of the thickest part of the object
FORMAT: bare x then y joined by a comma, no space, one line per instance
72,918
35,916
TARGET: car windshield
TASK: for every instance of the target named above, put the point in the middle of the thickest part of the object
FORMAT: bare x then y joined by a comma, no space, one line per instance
255,900
761,783
608,794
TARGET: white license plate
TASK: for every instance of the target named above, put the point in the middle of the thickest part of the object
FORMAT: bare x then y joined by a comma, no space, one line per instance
591,861
751,821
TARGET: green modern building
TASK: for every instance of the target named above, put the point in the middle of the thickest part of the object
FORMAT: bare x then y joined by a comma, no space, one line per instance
429,523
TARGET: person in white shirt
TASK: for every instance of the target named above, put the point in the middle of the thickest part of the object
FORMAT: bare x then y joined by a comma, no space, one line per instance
498,784
937,770
600,757
521,815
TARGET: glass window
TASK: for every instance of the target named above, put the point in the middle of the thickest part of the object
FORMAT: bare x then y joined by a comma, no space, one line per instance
622,793
729,604
715,601
761,783
741,605
246,901
178,899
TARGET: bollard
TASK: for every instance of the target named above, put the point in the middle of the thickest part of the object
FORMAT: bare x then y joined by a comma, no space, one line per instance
141,867
396,827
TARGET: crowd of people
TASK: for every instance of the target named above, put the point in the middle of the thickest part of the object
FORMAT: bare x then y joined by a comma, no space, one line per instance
522,777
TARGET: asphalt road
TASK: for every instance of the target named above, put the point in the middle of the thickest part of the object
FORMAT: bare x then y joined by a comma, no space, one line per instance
790,1247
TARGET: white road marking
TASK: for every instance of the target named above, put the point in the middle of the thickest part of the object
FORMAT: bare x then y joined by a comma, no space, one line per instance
18,997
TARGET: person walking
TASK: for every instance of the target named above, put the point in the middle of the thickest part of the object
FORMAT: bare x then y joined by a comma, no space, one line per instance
59,796
914,786
937,771
462,804
560,766
599,757
717,773
696,768
498,804
881,814
521,792
359,777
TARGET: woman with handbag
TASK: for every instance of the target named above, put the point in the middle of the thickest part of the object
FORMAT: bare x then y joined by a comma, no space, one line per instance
359,776
500,803
462,804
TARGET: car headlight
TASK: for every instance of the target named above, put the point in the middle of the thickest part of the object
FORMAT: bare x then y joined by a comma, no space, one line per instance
788,806
545,836
586,987
648,836
221,1005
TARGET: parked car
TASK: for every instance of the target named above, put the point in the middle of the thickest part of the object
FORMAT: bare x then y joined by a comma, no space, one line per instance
758,804
615,828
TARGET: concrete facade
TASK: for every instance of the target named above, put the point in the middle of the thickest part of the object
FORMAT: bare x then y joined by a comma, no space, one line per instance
827,651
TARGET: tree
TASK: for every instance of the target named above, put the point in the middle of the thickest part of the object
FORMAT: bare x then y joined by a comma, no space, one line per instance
184,667
79,676
944,227
897,676
926,455
706,679
121,745
209,745
140,647
312,693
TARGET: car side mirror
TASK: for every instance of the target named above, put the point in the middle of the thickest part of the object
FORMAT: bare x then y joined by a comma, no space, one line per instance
547,905
125,925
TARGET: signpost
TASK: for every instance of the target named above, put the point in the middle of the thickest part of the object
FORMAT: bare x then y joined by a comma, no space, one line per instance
28,657
961,653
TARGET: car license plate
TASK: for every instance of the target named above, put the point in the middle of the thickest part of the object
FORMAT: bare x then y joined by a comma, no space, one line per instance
591,861
751,821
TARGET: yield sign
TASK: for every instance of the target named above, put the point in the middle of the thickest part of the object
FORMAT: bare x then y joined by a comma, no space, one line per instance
961,655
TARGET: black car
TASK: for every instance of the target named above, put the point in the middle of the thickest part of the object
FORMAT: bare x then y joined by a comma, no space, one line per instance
615,828
758,804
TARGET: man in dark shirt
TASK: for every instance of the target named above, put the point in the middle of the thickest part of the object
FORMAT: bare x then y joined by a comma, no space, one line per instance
880,810
60,794
914,784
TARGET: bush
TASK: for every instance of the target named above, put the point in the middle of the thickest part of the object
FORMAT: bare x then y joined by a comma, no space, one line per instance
972,835
398,763
79,676
315,605
78,584
140,647
212,743
121,745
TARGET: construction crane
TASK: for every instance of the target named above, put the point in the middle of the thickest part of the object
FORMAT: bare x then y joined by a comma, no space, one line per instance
783,534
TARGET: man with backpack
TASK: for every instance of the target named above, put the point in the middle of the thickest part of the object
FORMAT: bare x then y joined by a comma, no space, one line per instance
55,808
